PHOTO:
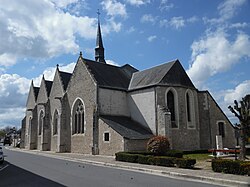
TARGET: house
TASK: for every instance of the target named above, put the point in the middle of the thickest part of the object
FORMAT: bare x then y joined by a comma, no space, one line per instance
103,109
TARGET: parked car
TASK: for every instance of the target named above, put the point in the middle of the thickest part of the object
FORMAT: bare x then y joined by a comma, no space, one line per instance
7,140
1,156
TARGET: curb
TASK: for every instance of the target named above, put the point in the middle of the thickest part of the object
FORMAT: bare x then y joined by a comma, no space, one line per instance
171,174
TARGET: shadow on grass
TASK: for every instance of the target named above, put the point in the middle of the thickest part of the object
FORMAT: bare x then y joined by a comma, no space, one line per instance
16,176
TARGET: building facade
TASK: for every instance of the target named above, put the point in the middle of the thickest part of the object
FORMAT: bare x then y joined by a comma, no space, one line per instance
103,109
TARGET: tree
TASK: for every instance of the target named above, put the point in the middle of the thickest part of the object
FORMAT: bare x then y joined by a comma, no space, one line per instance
242,112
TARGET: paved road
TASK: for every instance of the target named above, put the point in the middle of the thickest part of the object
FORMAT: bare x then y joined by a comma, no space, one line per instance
23,169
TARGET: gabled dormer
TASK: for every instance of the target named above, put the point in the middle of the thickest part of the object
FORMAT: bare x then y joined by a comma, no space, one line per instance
170,74
44,91
60,83
32,97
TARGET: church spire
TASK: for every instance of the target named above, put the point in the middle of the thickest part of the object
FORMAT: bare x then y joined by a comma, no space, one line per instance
99,49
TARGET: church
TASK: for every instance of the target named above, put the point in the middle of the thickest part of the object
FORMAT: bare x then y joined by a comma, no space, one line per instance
103,109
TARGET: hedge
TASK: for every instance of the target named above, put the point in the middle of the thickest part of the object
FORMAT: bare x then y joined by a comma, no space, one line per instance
174,153
167,161
126,157
231,166
169,153
185,163
144,159
162,161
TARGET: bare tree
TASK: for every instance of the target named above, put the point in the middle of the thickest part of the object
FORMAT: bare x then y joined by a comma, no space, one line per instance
242,112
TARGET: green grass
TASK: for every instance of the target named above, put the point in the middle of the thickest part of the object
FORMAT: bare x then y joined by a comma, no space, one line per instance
198,157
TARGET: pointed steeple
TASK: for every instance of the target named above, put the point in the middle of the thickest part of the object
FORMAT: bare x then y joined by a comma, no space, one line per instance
99,49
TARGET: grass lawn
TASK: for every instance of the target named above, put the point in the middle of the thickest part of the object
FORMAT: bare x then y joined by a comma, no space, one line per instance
198,157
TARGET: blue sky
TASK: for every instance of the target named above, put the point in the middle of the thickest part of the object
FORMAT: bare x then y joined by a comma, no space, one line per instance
210,38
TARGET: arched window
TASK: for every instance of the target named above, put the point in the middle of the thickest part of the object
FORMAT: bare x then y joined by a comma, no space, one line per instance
171,102
188,107
55,122
78,120
190,111
40,122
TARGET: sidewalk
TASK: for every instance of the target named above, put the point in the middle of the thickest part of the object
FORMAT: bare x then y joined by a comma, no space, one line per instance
197,174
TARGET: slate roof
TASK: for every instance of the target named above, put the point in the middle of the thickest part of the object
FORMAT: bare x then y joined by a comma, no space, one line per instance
36,91
110,76
48,85
171,73
127,128
65,78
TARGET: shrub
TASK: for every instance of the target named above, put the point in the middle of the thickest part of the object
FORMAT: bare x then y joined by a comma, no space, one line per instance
174,153
158,145
126,157
231,166
162,161
196,152
144,159
140,152
185,162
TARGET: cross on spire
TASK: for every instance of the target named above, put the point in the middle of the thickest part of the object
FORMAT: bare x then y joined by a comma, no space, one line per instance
98,14
99,50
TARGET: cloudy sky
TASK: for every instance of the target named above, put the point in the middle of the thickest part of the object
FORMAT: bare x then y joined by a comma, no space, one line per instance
210,38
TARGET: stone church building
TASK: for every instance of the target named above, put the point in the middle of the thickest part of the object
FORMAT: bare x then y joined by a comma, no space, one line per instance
103,109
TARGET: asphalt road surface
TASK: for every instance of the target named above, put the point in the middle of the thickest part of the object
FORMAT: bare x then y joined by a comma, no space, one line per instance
24,169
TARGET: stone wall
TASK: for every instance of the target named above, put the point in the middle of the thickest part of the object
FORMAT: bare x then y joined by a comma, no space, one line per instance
210,115
113,102
83,87
182,138
142,107
56,96
115,143
135,145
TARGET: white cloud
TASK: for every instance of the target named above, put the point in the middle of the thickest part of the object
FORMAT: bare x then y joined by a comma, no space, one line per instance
238,92
7,59
13,95
177,22
152,38
49,73
114,8
63,3
239,25
228,8
131,29
111,62
138,2
215,53
40,29
148,18
165,5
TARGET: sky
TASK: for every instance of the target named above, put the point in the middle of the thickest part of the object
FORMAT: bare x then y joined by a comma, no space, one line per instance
211,39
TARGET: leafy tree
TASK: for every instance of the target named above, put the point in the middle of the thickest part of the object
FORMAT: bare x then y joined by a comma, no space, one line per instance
242,112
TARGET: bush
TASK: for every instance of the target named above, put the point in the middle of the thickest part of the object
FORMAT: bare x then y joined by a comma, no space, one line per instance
231,166
126,157
158,145
144,159
162,161
174,153
185,162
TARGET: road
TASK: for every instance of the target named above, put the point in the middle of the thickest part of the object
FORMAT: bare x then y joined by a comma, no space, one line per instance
24,169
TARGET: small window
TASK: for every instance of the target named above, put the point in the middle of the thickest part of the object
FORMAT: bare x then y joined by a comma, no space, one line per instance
106,136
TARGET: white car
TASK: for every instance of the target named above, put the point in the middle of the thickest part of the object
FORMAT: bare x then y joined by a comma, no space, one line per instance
1,156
